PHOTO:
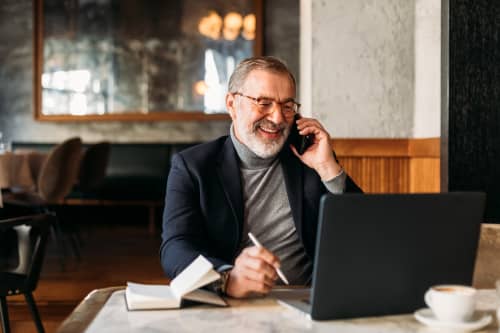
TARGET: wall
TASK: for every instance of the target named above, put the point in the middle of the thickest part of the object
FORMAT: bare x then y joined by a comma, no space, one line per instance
370,69
16,107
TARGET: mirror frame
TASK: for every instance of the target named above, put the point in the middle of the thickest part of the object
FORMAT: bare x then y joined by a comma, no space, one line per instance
132,116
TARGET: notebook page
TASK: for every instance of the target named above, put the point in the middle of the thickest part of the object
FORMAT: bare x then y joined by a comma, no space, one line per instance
191,277
141,296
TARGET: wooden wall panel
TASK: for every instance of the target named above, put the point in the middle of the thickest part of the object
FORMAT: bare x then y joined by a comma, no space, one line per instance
391,165
425,175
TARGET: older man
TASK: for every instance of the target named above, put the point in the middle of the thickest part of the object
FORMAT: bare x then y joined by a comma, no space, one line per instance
252,181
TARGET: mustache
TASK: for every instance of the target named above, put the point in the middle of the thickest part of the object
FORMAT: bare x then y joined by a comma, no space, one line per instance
269,125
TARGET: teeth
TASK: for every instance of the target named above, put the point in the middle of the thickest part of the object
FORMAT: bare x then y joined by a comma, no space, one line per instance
269,130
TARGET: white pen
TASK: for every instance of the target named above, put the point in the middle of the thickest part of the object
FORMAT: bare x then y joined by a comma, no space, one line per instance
258,244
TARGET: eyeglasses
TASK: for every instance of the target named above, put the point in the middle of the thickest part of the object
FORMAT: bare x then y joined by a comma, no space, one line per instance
265,105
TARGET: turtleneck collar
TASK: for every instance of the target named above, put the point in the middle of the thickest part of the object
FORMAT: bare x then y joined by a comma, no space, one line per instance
249,160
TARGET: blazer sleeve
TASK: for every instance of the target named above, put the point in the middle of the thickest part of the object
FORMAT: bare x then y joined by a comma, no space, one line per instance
183,235
351,186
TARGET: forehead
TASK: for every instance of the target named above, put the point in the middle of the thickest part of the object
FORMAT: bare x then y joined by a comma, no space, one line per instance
269,84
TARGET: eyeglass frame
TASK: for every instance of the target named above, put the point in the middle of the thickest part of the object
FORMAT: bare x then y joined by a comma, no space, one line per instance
261,107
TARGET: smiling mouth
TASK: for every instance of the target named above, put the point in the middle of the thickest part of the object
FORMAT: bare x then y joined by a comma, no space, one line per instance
270,131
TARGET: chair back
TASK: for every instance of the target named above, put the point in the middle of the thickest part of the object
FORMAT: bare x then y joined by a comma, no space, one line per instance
36,160
32,234
59,171
93,166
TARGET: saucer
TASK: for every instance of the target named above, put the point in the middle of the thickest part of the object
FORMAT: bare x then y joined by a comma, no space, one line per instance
426,316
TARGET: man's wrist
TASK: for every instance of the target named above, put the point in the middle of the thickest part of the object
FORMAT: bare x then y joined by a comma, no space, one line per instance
220,286
336,185
328,171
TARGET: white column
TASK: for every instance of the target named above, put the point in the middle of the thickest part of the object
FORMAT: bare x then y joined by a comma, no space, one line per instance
427,116
359,63
306,57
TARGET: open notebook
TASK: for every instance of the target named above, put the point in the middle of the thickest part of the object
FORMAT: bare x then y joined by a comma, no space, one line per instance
184,287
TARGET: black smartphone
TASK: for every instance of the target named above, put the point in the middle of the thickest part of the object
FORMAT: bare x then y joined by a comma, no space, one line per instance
300,142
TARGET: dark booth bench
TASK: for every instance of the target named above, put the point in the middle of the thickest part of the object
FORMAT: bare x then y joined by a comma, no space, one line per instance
136,175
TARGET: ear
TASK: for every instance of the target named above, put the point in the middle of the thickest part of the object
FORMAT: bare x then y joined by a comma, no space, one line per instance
230,105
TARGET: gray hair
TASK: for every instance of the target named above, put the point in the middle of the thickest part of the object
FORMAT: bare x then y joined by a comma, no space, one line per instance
265,63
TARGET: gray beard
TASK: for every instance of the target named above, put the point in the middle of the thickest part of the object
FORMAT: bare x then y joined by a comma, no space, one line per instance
266,149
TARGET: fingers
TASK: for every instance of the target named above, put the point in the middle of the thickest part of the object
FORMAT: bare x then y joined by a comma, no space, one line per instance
254,271
321,138
258,287
260,264
260,278
319,155
259,270
308,121
240,286
310,126
264,254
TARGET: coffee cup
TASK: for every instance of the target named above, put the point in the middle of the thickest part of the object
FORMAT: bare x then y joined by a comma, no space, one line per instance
451,303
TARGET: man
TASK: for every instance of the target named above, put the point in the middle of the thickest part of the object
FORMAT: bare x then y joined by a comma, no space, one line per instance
252,181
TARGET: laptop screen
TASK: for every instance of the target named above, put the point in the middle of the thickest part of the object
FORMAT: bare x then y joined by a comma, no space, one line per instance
376,254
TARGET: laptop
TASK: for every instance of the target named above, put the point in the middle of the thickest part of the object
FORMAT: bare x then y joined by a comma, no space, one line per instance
377,254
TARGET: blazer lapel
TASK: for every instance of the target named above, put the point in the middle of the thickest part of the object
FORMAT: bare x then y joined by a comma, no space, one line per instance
292,172
228,172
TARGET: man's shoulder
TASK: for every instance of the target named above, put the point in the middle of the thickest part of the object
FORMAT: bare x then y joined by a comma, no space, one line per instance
207,151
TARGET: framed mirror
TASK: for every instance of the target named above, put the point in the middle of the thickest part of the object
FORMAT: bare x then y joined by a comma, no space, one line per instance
139,60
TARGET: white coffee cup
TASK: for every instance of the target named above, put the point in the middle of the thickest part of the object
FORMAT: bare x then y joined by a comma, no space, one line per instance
451,303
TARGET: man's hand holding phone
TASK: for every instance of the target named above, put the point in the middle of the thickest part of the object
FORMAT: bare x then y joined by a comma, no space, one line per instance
300,142
319,155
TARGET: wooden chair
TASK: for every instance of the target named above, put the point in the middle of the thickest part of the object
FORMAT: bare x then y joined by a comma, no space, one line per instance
32,233
487,269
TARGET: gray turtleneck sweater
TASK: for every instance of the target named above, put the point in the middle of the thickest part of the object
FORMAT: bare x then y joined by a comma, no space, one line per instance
267,212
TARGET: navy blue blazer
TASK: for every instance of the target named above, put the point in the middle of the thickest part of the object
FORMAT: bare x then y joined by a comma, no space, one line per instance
204,204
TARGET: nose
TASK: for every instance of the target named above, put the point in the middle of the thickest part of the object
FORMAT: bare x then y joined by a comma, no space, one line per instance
276,114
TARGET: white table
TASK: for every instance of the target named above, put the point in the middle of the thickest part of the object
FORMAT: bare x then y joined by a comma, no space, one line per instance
255,315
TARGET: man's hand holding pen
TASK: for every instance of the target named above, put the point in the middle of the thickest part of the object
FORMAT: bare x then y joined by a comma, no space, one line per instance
254,272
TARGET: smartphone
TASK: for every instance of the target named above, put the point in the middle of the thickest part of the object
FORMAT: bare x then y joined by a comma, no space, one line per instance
300,142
